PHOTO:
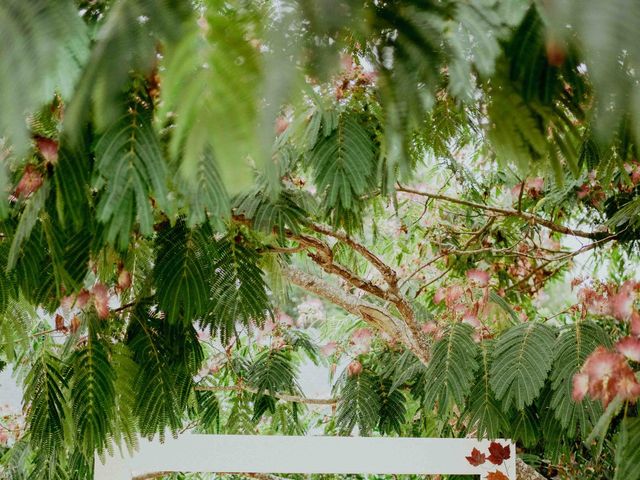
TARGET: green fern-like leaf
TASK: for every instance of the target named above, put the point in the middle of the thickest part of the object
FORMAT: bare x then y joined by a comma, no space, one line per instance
392,409
523,427
46,403
72,176
450,373
124,424
54,39
205,194
28,220
208,409
238,292
210,82
240,416
573,346
359,404
521,361
132,169
180,273
628,450
69,254
168,356
514,132
34,270
92,394
483,410
344,167
272,372
285,212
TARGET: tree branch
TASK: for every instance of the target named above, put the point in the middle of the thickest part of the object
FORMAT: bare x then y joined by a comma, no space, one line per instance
385,270
508,212
378,317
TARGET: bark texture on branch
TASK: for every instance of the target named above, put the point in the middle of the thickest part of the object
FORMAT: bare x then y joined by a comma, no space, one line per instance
377,316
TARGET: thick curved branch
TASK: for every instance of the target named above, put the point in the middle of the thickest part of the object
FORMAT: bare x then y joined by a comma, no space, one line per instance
385,270
508,212
323,257
378,317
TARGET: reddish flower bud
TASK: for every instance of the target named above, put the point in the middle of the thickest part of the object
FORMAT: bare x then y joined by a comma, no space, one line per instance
354,368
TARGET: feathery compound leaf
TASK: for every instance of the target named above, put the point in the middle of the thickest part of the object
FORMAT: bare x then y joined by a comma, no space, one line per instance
392,408
628,450
344,164
514,130
359,403
286,211
208,410
124,424
524,427
238,292
210,83
44,399
521,361
572,348
126,42
273,372
72,176
483,410
168,357
132,169
92,394
28,220
43,44
205,195
180,274
450,373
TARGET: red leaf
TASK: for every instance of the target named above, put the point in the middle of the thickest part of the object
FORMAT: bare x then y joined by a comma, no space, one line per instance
496,476
476,458
498,453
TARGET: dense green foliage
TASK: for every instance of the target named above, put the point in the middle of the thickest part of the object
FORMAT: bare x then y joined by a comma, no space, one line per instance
176,176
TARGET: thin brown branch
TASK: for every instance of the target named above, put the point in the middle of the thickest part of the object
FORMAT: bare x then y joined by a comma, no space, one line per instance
561,258
282,396
508,212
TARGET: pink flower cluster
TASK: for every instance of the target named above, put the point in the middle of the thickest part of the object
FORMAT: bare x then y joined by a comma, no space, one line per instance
532,187
607,375
465,310
607,299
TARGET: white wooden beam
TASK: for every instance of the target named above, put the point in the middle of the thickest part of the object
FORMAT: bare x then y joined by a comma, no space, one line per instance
294,454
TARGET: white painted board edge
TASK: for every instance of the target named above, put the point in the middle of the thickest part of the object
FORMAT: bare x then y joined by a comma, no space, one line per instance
303,454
